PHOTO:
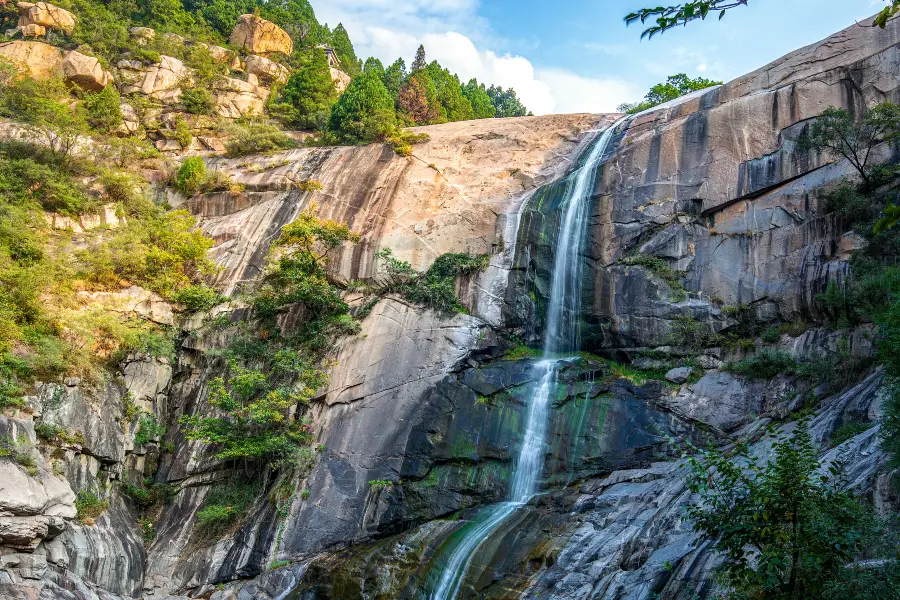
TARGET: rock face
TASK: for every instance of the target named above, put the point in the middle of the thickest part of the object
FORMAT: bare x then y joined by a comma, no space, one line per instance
35,59
236,98
160,81
258,36
341,80
267,71
44,15
85,72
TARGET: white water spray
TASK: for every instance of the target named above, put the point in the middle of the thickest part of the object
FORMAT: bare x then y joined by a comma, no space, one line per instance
561,335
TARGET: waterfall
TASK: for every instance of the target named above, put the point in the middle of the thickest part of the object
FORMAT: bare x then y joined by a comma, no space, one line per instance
560,336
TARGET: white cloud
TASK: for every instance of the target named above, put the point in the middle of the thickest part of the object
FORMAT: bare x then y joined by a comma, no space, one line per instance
387,29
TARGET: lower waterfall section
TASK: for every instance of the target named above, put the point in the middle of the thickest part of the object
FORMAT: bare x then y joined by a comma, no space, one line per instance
560,336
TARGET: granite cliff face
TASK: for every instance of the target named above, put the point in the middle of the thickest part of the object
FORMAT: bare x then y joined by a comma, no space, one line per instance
713,184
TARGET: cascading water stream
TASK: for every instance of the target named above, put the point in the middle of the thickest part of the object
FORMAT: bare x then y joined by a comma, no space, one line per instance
561,336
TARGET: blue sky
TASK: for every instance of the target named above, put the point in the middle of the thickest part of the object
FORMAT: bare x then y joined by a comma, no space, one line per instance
578,55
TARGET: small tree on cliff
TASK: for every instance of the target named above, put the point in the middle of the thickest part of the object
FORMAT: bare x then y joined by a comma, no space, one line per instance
311,92
785,528
836,132
673,87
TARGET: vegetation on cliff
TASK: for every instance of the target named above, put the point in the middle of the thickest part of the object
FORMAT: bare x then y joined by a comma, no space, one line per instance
674,87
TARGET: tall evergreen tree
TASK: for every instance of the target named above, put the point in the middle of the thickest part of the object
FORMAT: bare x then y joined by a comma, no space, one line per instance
365,111
418,100
311,92
419,62
394,76
340,41
506,103
373,64
454,106
477,95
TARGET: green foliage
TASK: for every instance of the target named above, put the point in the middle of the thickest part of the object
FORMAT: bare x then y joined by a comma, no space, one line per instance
435,288
667,17
364,112
310,93
478,97
254,136
848,430
21,452
506,103
687,332
103,109
225,505
37,105
197,100
674,87
148,529
149,429
277,564
771,334
270,378
381,484
89,507
800,525
149,495
340,41
659,267
765,364
163,252
198,297
191,175
838,133
58,435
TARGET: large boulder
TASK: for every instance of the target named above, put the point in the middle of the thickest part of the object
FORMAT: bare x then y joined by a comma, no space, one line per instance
267,71
34,59
258,36
45,15
160,81
236,98
85,71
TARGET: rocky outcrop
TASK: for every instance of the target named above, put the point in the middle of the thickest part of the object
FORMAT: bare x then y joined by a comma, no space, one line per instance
85,71
161,81
266,71
258,36
34,59
236,98
340,79
41,16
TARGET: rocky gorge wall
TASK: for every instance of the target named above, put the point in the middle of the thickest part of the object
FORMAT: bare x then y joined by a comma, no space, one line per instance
713,184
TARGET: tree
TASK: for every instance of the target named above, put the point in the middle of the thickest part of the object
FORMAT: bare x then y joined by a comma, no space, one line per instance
667,17
394,76
311,92
453,105
373,64
340,41
477,95
37,104
364,112
506,103
785,527
419,62
836,132
674,87
104,110
418,100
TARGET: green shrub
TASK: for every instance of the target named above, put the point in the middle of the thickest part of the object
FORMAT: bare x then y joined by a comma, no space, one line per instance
103,109
765,364
771,334
256,137
183,134
226,504
436,287
198,297
148,429
381,484
849,430
89,507
661,269
191,175
197,100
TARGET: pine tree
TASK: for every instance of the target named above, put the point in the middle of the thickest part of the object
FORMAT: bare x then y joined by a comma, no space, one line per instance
419,62
365,111
373,64
340,41
311,93
418,100
481,103
394,76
